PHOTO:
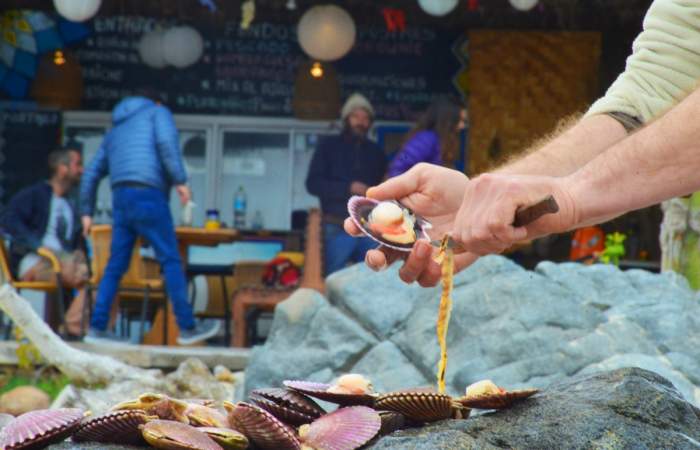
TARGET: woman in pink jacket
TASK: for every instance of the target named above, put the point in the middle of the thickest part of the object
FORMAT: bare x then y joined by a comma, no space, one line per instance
434,139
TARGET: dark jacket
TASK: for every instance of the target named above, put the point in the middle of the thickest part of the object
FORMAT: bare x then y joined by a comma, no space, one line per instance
26,218
424,146
142,147
337,162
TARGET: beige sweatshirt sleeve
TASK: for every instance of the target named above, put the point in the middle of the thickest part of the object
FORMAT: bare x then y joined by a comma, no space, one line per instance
664,66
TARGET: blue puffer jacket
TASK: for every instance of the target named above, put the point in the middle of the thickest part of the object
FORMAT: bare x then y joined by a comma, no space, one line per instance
142,147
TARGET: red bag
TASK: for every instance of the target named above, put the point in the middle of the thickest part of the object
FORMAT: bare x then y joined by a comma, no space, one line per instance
281,272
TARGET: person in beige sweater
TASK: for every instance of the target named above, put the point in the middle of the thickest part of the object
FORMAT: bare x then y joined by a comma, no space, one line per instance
596,169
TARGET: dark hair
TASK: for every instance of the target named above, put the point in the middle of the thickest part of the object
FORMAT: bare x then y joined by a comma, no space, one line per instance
59,157
442,117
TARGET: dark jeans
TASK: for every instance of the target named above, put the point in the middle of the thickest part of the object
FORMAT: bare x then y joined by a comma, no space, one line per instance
145,212
339,248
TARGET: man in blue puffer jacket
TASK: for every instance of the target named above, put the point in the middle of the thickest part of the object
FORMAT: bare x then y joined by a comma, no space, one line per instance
141,154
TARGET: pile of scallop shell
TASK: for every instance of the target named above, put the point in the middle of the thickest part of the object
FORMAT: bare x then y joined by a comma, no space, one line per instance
278,418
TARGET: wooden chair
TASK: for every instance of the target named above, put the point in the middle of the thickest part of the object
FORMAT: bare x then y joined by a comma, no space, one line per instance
50,288
138,286
255,295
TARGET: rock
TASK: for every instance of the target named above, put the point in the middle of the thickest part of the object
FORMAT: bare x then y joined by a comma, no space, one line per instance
23,399
307,336
621,409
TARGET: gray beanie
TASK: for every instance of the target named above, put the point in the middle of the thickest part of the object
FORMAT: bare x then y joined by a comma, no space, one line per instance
355,101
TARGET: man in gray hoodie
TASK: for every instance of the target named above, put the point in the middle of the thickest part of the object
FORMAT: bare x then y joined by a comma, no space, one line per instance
142,156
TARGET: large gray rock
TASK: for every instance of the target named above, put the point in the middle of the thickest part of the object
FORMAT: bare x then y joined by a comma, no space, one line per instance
623,409
518,327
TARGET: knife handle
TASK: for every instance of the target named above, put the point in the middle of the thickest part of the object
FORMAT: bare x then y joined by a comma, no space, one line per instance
525,215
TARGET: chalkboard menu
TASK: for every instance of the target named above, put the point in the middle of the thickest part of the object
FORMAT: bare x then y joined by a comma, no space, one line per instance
252,72
26,139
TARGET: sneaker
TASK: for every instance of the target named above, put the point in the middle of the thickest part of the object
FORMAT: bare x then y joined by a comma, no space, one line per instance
102,337
204,329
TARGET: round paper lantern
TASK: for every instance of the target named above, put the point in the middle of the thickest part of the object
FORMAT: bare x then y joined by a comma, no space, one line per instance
182,46
524,5
438,7
151,49
326,32
77,10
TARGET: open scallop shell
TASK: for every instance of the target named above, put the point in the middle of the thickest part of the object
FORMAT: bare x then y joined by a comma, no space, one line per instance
343,429
185,436
227,438
118,427
419,406
262,428
38,429
360,208
5,419
320,391
289,406
496,401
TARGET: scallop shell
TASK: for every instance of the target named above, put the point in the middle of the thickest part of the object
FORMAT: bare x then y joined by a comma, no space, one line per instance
496,401
420,406
5,419
185,435
227,438
262,428
287,405
319,390
360,208
38,429
205,416
343,429
117,427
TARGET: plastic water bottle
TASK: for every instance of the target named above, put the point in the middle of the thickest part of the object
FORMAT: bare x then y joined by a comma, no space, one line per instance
239,208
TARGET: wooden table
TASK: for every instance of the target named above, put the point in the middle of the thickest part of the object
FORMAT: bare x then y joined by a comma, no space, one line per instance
186,236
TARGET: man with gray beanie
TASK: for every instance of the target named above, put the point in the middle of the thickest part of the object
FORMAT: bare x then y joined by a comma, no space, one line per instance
343,166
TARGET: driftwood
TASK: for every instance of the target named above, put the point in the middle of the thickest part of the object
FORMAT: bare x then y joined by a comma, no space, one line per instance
80,366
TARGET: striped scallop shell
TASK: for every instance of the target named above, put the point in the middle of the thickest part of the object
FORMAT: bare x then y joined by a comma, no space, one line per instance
5,419
497,400
420,406
262,428
38,429
289,406
117,427
343,429
360,208
320,391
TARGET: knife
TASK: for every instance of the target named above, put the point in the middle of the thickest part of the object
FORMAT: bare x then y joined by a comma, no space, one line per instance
525,215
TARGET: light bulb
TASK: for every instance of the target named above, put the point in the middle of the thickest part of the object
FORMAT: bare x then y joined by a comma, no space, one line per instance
316,70
58,58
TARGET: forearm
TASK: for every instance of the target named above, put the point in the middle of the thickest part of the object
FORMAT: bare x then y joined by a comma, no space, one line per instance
658,162
570,150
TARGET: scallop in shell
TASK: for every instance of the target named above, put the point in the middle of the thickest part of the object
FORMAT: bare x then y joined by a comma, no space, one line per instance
169,434
262,428
343,429
496,400
287,405
38,429
362,211
118,427
320,391
419,406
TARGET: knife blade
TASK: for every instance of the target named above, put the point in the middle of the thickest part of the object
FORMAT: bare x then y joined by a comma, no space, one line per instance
525,215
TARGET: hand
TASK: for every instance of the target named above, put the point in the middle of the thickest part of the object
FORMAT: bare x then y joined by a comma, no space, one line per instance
432,192
87,224
358,188
184,193
484,223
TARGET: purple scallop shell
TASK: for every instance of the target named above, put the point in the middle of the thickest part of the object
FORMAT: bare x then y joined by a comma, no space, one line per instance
262,428
217,435
359,209
5,419
289,406
419,406
117,427
184,434
343,429
319,390
38,429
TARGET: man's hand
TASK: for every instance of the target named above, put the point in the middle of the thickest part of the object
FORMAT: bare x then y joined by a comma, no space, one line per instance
484,223
358,188
434,193
87,224
184,193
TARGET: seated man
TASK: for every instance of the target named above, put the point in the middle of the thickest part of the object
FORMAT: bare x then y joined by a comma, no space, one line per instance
42,215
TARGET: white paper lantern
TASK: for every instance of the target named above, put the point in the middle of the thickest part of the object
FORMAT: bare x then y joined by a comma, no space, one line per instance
77,10
524,5
326,32
182,46
437,7
151,49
